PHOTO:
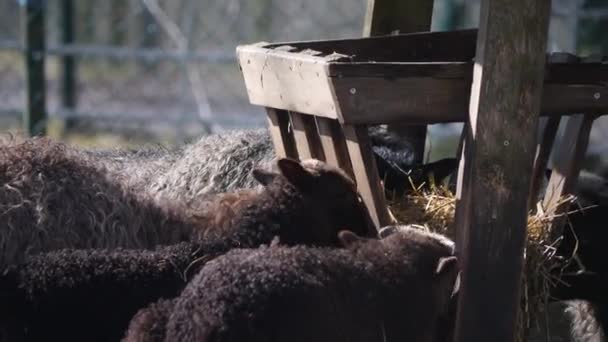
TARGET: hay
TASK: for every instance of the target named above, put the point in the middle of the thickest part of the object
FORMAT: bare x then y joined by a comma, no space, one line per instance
434,210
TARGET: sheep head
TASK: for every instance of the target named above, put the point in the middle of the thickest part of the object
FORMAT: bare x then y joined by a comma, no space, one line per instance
434,255
330,192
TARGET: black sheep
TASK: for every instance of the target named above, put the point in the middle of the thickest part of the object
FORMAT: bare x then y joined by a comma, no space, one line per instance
391,289
77,295
306,203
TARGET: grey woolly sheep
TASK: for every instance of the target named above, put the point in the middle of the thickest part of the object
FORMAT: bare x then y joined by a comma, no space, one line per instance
393,289
53,197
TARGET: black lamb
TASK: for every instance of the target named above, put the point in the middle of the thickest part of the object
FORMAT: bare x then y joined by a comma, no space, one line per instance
393,289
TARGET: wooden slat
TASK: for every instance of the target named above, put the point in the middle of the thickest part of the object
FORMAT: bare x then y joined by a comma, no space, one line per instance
366,172
295,84
456,45
458,70
425,100
501,132
567,162
306,136
282,139
543,151
334,144
557,73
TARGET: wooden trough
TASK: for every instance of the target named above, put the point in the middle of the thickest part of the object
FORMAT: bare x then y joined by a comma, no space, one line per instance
320,96
329,90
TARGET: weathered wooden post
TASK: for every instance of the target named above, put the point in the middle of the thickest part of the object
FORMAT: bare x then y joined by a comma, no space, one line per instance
385,17
494,176
34,116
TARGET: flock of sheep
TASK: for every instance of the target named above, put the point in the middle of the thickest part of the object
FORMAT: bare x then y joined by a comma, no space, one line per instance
215,241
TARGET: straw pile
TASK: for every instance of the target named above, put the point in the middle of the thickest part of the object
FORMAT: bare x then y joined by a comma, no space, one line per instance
434,210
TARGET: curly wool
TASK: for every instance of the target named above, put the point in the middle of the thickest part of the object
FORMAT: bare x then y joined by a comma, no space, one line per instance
52,196
61,281
379,289
213,164
57,196
67,295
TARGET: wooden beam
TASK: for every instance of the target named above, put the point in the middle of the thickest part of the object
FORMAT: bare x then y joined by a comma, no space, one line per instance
366,173
35,115
556,73
388,16
282,139
492,194
427,100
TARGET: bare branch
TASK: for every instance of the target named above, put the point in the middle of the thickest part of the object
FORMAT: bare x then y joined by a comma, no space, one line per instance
182,45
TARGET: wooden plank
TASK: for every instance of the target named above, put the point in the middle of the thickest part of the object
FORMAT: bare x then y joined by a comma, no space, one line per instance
35,115
543,151
334,144
278,126
456,45
430,101
501,132
296,84
306,136
397,16
366,173
558,73
567,162
577,73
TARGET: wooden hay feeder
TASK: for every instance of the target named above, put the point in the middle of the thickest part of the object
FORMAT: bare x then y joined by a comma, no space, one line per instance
321,95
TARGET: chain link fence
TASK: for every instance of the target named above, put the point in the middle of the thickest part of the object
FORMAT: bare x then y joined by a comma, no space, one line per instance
166,69
160,67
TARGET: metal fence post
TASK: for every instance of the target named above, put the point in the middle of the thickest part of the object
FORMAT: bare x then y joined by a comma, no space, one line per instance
35,115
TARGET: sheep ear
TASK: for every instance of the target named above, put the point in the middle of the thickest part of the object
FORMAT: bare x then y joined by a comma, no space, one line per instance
449,266
348,238
386,231
263,176
295,173
446,264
